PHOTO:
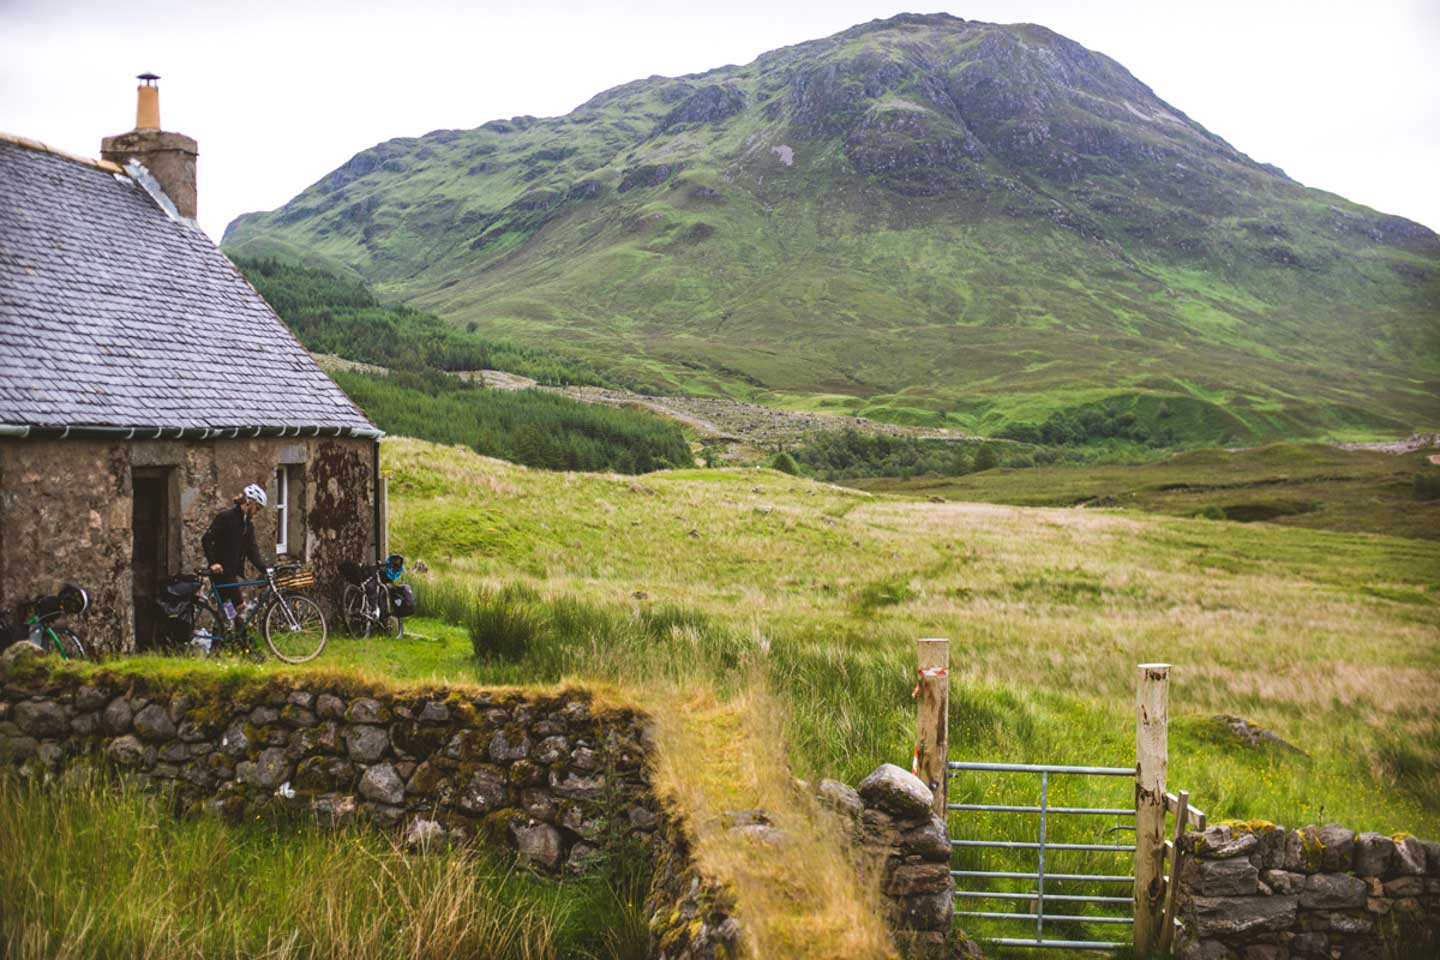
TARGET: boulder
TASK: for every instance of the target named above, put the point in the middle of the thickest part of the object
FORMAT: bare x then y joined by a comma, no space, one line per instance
365,743
420,833
505,747
1238,916
552,749
1282,881
897,791
329,707
929,841
1405,887
41,719
1374,853
908,879
1410,857
840,797
269,770
1236,877
1221,843
1333,891
536,842
336,809
760,833
484,792
1338,848
153,724
1314,944
117,716
382,784
129,752
1432,857
928,911
89,699
577,787
263,716
367,710
20,650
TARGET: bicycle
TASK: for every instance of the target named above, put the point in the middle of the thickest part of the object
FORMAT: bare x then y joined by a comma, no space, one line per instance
372,602
293,625
39,616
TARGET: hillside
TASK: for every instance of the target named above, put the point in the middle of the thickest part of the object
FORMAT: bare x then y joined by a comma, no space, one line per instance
920,219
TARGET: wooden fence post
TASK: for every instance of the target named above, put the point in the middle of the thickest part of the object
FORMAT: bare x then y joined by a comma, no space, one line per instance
932,717
1152,717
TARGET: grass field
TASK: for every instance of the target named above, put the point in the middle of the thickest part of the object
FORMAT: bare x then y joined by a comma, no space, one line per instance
1315,487
98,868
768,623
725,580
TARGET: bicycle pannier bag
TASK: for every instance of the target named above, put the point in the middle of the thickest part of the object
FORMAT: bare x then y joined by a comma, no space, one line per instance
402,599
175,595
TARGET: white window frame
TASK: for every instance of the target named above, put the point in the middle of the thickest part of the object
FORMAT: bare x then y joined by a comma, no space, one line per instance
282,509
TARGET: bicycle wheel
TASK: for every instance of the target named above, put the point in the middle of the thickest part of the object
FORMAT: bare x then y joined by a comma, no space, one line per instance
71,646
295,628
352,611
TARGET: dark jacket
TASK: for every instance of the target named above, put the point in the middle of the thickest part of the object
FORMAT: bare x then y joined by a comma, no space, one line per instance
230,541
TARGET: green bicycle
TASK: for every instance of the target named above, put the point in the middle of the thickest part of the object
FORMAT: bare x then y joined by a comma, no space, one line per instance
40,616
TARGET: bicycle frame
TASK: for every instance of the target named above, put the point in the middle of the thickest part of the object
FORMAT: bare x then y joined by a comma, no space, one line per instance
272,595
37,625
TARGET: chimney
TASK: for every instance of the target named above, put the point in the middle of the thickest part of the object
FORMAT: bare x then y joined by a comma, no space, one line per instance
168,157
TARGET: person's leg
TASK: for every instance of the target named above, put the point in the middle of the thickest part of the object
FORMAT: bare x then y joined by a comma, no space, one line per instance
234,595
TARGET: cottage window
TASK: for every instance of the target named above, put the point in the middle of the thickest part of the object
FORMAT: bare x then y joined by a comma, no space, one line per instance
282,509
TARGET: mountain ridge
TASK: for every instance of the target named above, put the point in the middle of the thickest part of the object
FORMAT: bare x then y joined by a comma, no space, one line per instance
924,219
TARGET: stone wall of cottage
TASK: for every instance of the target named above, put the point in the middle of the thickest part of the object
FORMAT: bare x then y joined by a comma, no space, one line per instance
66,513
1256,891
553,776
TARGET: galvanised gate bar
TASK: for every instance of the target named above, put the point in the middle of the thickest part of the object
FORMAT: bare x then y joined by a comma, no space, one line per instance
1040,898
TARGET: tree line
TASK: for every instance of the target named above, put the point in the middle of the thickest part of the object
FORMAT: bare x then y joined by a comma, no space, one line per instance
331,314
420,398
533,427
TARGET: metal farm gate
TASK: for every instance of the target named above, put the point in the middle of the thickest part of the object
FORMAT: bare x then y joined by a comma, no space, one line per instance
1133,899
1042,900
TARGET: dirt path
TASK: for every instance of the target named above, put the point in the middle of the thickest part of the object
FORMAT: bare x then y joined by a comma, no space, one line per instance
729,429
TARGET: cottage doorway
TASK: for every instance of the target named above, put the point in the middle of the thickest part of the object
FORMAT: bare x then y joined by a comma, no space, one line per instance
150,524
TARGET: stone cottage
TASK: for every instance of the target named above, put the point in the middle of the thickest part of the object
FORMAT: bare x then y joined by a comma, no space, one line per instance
144,383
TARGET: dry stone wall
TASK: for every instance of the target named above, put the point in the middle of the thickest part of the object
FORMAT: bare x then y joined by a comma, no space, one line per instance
553,776
1260,892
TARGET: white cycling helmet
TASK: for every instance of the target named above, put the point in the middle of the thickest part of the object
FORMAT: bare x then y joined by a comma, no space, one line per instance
256,492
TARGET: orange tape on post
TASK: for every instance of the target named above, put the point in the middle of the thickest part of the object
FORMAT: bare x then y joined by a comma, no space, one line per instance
931,672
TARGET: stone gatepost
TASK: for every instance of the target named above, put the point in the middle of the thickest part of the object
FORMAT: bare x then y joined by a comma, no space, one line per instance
896,832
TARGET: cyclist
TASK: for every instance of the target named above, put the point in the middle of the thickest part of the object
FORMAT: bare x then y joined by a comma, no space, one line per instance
230,541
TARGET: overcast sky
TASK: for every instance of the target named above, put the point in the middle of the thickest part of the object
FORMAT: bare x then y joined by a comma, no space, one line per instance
1343,96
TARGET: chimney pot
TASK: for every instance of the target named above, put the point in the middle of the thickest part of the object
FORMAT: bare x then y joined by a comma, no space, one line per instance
169,157
147,104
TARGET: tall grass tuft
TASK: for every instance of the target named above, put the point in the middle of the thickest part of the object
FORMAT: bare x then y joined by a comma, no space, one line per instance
95,867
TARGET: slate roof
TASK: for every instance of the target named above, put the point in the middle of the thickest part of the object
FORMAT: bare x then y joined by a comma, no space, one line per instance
115,314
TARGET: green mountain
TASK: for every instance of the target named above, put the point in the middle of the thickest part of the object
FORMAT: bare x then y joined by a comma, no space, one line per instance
920,218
